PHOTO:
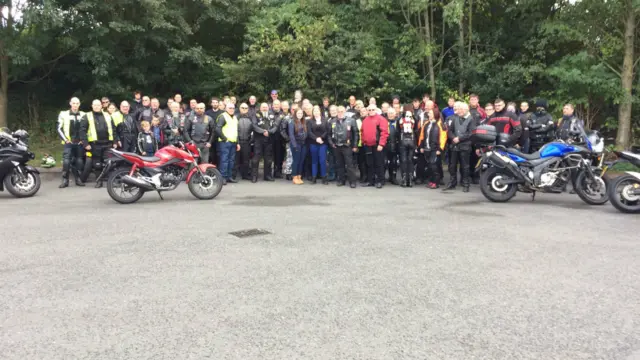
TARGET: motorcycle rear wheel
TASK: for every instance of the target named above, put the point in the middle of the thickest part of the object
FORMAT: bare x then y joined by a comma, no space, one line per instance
491,188
619,196
592,191
117,189
207,188
22,187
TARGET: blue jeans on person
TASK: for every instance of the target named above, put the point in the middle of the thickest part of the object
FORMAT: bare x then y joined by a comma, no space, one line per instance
318,158
298,159
227,151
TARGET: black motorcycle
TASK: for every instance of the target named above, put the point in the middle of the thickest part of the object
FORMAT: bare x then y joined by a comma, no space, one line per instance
20,179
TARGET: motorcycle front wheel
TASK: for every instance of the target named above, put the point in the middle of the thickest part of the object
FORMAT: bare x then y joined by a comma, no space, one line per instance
593,191
206,187
493,189
22,185
621,196
121,192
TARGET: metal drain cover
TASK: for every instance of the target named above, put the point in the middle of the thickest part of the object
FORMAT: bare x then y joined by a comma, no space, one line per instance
249,232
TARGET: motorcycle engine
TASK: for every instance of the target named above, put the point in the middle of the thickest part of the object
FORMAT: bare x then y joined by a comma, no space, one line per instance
172,176
548,179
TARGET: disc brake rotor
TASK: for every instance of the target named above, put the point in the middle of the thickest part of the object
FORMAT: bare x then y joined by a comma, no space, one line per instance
627,195
25,183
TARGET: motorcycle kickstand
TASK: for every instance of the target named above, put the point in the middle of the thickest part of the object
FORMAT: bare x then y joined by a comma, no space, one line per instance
533,196
160,194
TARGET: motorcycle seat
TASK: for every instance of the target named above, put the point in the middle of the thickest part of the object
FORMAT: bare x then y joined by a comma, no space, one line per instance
534,156
631,157
143,158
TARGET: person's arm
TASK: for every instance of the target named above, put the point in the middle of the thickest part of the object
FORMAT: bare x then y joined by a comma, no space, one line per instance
355,133
310,135
483,114
84,129
61,134
274,127
155,143
187,129
442,135
467,135
517,129
451,132
324,129
330,137
219,125
383,124
284,129
292,135
256,128
212,130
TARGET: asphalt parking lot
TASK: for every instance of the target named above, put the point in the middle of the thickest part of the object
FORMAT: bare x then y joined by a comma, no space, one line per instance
343,274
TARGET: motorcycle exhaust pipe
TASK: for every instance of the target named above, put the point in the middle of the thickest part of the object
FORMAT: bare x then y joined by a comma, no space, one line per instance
137,182
513,168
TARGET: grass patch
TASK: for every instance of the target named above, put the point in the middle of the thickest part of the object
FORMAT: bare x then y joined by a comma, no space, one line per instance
622,167
43,144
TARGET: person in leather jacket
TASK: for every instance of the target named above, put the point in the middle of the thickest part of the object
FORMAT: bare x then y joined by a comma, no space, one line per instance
278,142
174,124
264,130
245,133
127,128
391,149
459,134
541,126
343,140
200,129
406,147
432,144
331,158
570,128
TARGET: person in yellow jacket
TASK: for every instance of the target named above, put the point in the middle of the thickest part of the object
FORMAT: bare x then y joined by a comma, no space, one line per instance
72,137
101,136
227,131
433,140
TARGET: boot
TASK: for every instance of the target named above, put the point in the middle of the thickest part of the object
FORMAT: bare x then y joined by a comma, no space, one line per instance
76,175
295,180
300,181
451,186
254,179
288,177
314,180
325,181
410,181
65,181
404,181
465,189
393,178
99,184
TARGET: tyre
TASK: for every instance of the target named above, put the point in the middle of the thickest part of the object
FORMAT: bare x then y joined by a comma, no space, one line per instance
120,192
491,187
208,187
592,191
620,196
87,169
21,186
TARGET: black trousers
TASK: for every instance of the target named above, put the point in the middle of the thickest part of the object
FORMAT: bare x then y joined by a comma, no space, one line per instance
362,164
473,159
406,152
243,160
307,162
96,161
129,143
72,160
421,168
375,164
461,157
263,148
392,163
344,160
279,152
435,166
213,153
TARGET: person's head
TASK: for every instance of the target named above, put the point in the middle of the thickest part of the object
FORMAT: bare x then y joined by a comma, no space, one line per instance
333,111
567,110
392,113
297,96
111,108
384,107
340,111
474,100
416,103
299,115
174,107
498,105
137,95
146,126
408,115
524,106
425,98
325,102
511,107
74,103
294,108
200,107
308,109
451,101
431,115
371,110
252,100
264,107
305,103
231,108
488,108
105,102
395,100
359,104
155,104
274,95
461,108
214,103
124,107
233,99
317,113
363,112
276,105
396,107
193,103
244,108
372,101
146,101
285,107
155,121
222,105
429,105
177,98
169,102
352,100
96,105
226,99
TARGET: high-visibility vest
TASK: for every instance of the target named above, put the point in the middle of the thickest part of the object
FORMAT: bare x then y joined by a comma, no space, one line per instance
230,128
117,118
359,124
91,133
65,118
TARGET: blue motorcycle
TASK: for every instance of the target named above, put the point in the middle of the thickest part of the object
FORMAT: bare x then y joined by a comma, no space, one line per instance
507,170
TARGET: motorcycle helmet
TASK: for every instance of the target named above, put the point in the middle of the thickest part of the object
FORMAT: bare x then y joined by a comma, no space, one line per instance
48,161
597,144
22,134
503,139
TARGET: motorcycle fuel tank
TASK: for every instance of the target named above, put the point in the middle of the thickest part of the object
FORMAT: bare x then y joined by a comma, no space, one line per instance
556,149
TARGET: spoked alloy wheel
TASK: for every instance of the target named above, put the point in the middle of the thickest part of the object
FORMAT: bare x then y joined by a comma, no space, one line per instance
22,185
121,192
624,194
206,187
492,187
592,191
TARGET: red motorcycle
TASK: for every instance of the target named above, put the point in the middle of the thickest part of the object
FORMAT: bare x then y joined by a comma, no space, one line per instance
163,172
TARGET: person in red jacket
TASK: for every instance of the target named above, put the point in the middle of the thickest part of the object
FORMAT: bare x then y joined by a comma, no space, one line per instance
375,132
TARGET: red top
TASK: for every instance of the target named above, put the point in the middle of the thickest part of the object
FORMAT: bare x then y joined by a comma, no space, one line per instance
371,125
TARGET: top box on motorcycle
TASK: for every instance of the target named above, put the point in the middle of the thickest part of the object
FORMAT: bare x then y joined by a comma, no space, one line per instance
484,134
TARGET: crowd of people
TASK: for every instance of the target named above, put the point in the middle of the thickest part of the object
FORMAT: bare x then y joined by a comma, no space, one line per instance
401,144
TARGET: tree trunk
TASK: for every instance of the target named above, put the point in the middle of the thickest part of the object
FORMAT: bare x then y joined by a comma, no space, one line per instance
623,139
461,53
429,41
4,71
470,27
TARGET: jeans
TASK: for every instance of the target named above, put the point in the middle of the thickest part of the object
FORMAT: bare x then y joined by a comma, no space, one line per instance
318,157
227,151
298,154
